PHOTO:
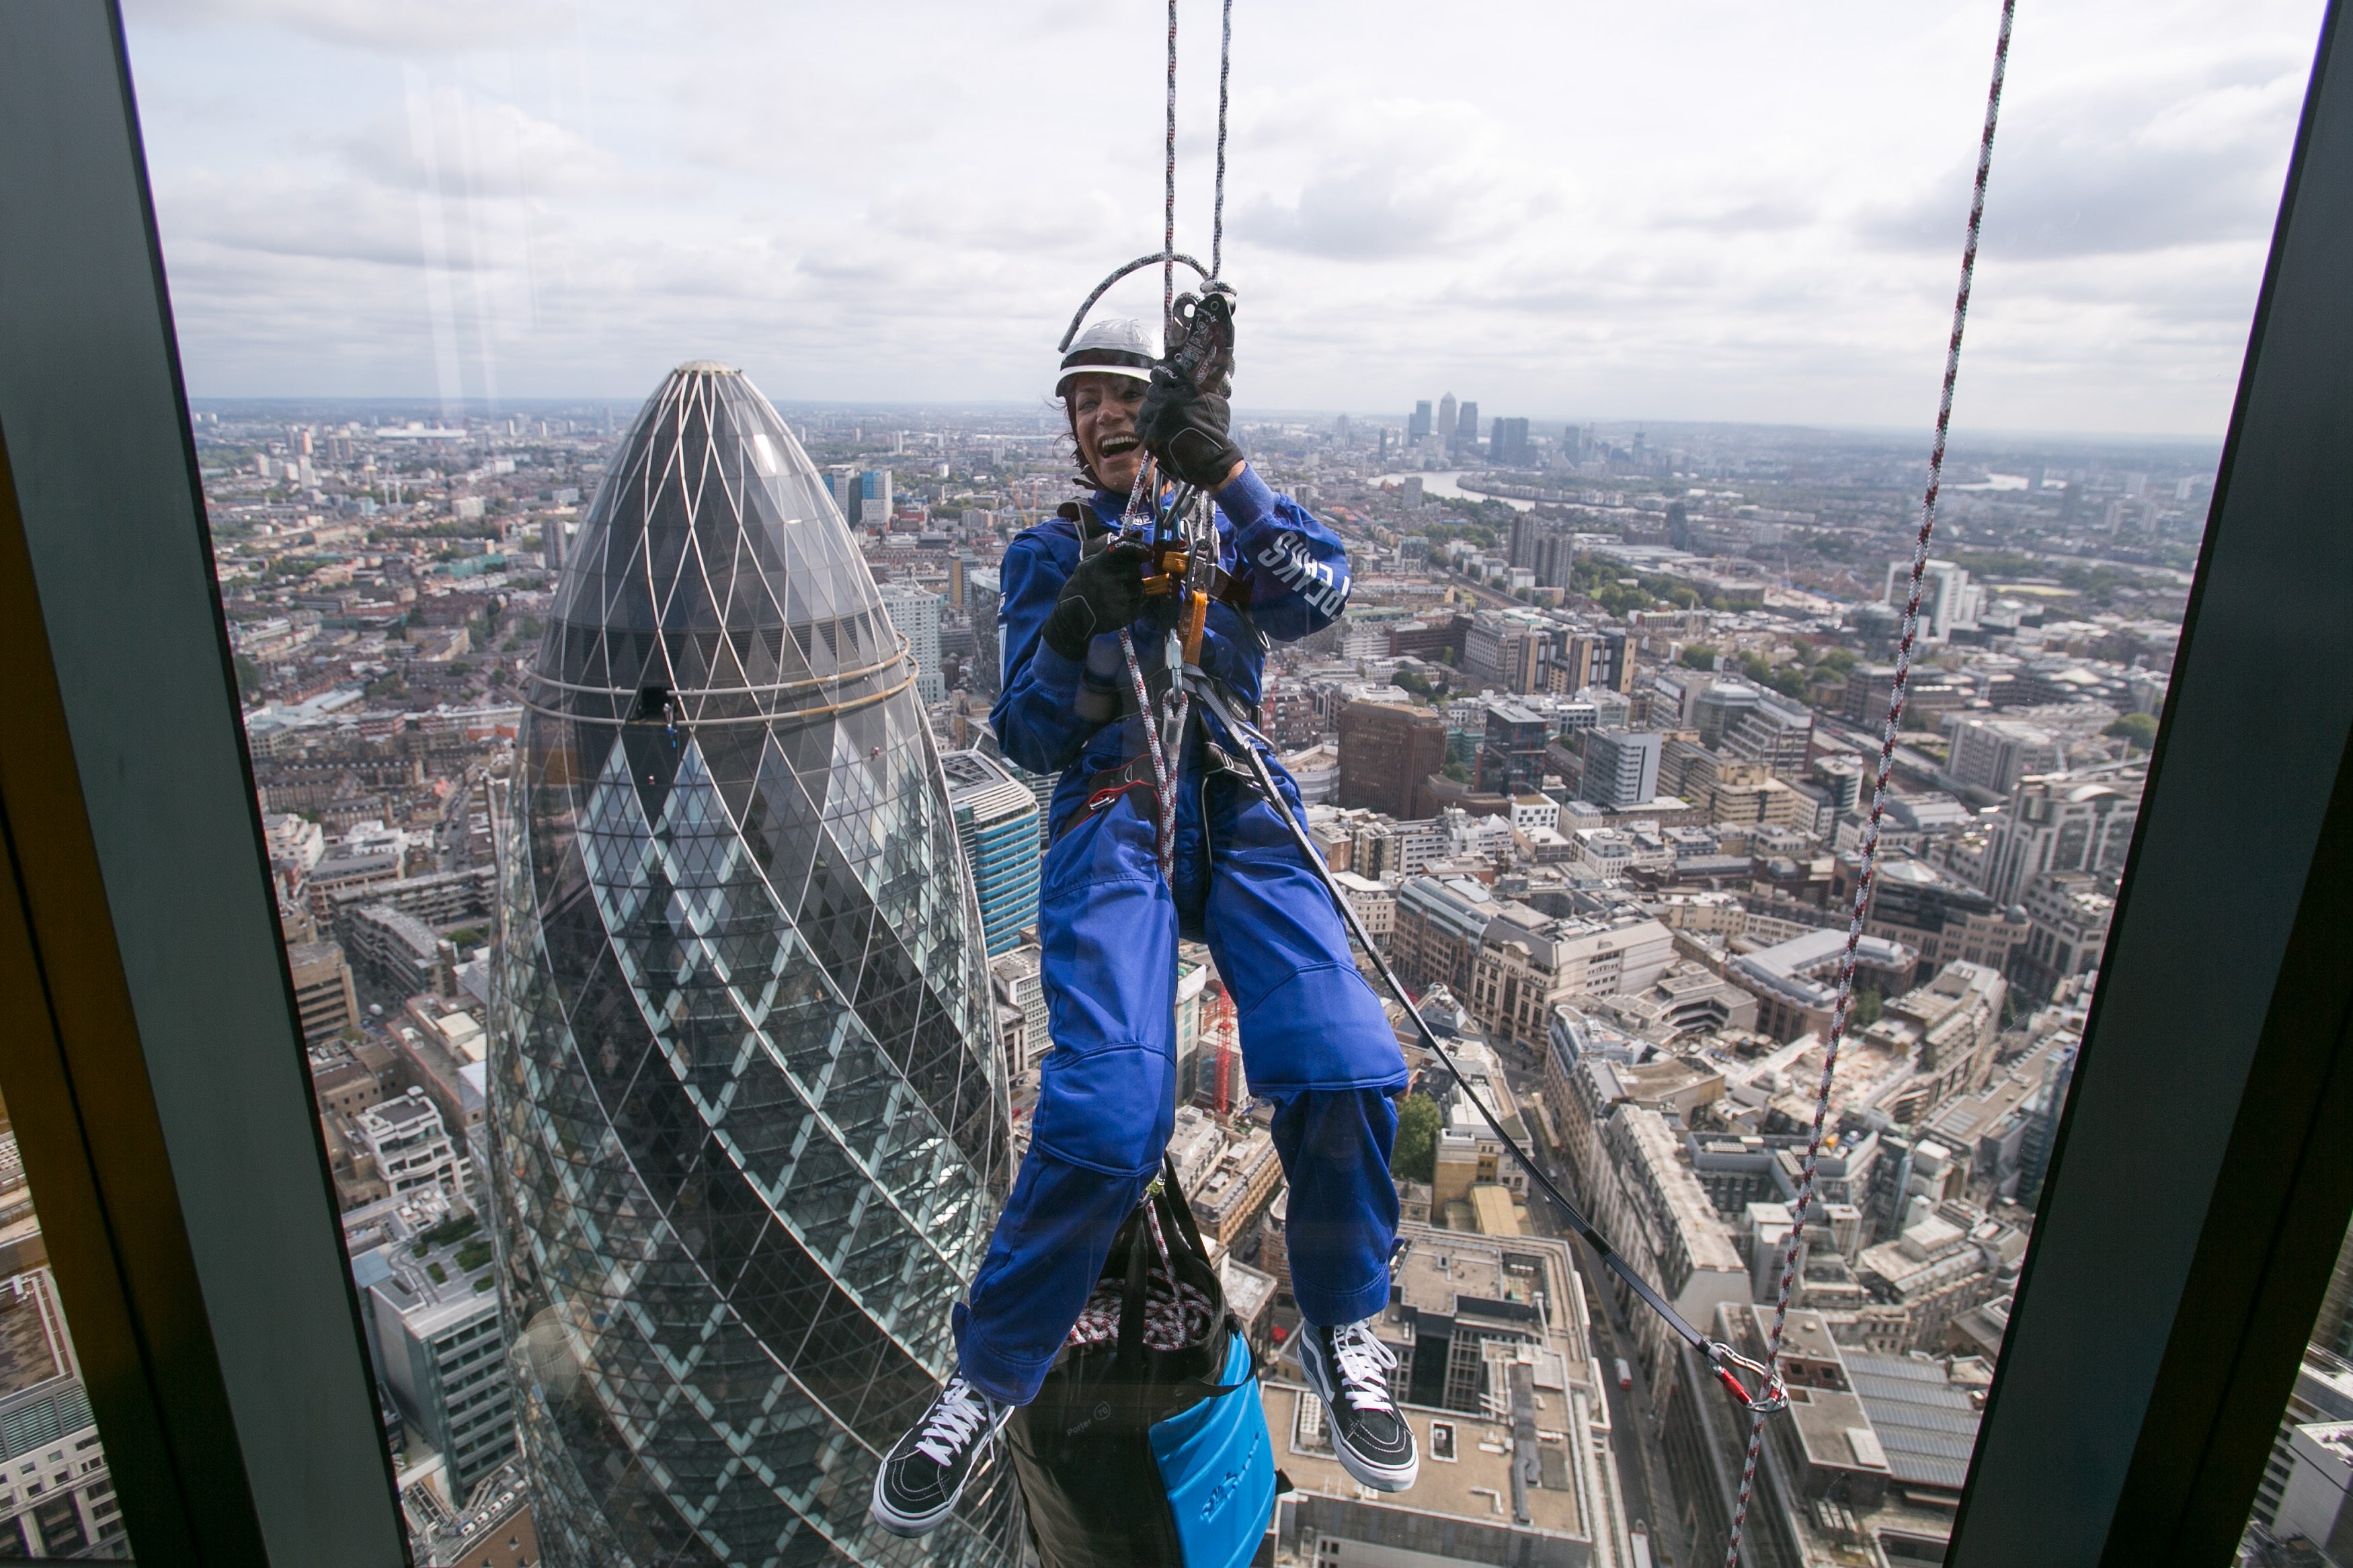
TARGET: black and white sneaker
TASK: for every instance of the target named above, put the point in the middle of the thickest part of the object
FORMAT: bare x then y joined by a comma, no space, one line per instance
925,1472
1349,1371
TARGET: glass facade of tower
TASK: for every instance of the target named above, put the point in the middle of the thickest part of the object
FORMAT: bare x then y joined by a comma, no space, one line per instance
750,1123
996,819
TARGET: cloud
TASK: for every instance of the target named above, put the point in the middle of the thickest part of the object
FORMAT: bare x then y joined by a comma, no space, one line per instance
2178,152
417,26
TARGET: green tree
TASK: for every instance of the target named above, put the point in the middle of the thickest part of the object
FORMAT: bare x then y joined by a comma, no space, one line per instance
1416,1138
1697,657
249,675
1865,1010
2137,730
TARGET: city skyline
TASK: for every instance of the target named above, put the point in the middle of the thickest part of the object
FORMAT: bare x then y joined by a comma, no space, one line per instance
526,201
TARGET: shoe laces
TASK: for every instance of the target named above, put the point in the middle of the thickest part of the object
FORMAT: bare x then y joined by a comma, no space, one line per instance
1364,1364
960,1411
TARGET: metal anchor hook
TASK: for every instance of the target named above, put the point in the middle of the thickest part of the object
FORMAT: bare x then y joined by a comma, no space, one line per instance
1772,1392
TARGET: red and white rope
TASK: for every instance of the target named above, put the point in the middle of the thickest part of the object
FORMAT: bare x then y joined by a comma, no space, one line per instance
1863,886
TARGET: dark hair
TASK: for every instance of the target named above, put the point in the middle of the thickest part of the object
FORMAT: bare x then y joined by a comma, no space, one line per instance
1085,476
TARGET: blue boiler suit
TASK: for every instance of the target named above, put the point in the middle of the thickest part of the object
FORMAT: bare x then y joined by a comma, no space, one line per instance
1315,1039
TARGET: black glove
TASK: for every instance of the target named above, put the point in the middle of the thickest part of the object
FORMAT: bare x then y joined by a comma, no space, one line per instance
1188,430
1104,595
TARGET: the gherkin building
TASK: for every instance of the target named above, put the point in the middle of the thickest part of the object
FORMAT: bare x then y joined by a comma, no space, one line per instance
749,1127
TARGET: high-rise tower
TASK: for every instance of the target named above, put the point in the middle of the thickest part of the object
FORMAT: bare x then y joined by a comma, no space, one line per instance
750,1121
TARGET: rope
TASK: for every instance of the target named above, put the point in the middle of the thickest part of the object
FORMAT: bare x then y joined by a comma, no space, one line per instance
1168,228
1217,222
1886,766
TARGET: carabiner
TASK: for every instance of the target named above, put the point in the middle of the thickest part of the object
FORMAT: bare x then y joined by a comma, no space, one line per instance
1773,1393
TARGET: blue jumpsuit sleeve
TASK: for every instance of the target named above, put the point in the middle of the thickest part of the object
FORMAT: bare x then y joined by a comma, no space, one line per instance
1294,569
1036,717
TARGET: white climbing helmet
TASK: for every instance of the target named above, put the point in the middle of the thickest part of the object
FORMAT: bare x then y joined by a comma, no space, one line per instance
1119,346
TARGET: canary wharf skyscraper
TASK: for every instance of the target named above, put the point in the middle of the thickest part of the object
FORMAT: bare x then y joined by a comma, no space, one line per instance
750,1128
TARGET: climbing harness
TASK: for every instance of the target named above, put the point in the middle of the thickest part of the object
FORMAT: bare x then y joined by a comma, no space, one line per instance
1839,1014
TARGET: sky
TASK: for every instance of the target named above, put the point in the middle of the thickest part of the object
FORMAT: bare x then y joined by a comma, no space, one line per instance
1562,209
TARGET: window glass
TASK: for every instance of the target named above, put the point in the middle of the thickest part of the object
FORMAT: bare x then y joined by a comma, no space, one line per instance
616,428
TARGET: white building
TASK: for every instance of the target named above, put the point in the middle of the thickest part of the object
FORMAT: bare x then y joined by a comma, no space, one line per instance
1316,771
1375,903
411,1147
2320,1473
915,615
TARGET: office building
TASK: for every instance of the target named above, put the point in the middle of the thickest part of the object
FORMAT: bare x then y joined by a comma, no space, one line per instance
1416,427
1949,602
1446,425
1717,705
915,615
751,1122
57,1493
1512,751
1994,754
323,994
1466,429
997,825
1387,750
2060,822
1621,768
410,1145
1867,1464
1507,445
433,1313
1498,1377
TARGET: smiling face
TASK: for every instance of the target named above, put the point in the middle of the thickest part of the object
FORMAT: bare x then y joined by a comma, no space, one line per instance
1102,417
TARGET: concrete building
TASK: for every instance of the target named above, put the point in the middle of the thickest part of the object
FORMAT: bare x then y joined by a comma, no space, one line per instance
1497,1378
1866,1467
1773,731
915,615
2317,1504
1994,754
1796,982
1621,768
996,826
1236,1190
1439,926
1375,903
1937,1266
323,994
2059,822
2323,1396
1664,1222
398,953
411,1148
1504,651
1939,917
1522,971
1948,1029
56,1493
438,1344
2067,919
